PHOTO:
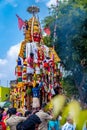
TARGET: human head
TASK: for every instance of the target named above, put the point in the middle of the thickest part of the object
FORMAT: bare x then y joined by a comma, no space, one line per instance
31,54
11,111
37,84
31,122
34,121
70,119
1,110
1,116
43,106
27,113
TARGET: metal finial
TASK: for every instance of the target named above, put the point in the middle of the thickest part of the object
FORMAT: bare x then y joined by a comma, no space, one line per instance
33,9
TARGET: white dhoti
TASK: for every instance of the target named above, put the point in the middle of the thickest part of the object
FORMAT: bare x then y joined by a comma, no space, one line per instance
36,102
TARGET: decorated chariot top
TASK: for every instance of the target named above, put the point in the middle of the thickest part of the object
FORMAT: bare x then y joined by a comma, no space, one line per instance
33,10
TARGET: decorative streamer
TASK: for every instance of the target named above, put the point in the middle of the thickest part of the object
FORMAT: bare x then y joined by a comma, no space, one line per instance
33,19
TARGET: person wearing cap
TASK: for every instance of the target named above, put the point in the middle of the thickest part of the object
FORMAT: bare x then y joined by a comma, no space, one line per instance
13,119
44,117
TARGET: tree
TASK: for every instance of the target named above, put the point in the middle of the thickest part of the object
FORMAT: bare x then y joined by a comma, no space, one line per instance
72,41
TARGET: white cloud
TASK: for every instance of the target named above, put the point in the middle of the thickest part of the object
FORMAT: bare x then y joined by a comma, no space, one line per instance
13,51
7,65
51,2
3,61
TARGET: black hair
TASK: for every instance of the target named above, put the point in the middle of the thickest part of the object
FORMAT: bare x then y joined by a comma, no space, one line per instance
1,116
27,113
31,54
31,121
43,105
11,111
2,109
37,84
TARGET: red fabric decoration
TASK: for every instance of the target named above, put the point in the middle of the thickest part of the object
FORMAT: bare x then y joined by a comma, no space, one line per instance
47,31
30,61
16,89
46,65
40,55
20,22
19,73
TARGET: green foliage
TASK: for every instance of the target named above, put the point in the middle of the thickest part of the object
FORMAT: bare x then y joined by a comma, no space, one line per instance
47,41
69,87
71,42
80,44
79,3
47,20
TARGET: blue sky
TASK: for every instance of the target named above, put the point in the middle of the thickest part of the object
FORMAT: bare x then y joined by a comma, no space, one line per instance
11,36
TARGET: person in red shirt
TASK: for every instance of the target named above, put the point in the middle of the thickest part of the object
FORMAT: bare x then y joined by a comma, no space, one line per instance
2,124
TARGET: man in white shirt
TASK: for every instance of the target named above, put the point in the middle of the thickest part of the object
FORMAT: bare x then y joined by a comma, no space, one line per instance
13,120
44,117
69,124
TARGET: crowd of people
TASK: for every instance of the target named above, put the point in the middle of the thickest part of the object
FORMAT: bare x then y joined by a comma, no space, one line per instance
36,119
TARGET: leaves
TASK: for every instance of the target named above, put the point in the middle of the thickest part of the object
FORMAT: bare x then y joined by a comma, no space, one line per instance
71,42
